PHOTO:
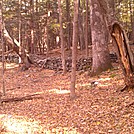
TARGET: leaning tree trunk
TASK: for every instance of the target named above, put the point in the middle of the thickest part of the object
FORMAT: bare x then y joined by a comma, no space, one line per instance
124,53
15,45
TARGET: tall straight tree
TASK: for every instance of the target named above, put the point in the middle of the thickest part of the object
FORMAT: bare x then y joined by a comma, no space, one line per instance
74,50
32,47
20,29
86,31
99,33
68,30
62,38
2,43
80,25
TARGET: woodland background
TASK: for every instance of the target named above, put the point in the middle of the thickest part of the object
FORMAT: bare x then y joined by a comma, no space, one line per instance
36,96
35,23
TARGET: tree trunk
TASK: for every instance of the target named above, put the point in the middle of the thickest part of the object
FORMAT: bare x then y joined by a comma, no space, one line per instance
111,11
99,32
86,31
80,25
124,53
131,37
62,38
68,24
14,44
2,43
20,29
74,50
32,27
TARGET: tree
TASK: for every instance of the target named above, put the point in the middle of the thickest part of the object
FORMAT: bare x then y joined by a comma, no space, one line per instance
74,50
62,38
32,45
80,25
68,29
20,28
124,53
2,42
131,37
99,33
14,44
86,31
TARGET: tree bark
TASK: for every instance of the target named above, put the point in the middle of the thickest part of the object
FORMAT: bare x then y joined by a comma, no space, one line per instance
125,54
2,43
86,31
80,26
74,50
15,45
99,32
32,47
20,29
62,38
68,30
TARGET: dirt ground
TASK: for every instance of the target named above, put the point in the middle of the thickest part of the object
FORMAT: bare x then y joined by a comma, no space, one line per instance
37,102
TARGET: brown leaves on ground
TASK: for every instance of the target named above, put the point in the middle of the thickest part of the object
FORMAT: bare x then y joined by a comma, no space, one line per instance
37,101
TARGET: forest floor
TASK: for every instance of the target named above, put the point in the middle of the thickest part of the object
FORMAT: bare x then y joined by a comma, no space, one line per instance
37,101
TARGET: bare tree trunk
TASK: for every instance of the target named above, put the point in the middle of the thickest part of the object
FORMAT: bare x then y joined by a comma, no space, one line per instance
2,42
99,32
62,38
32,27
111,11
74,50
20,30
86,31
124,53
80,28
68,24
15,45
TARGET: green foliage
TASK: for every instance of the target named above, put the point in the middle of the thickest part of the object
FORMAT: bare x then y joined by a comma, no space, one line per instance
124,12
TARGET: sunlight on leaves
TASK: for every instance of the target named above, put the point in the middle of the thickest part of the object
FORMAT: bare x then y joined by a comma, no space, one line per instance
23,125
18,124
59,91
105,79
9,66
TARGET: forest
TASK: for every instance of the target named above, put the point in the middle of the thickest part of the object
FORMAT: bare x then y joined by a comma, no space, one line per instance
67,66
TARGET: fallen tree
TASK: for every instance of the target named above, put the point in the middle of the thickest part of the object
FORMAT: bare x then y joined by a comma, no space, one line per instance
124,53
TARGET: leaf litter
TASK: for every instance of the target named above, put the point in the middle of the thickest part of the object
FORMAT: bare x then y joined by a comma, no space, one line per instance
99,108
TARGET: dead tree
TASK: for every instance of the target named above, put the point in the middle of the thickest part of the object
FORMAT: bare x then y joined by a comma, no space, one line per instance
15,45
124,53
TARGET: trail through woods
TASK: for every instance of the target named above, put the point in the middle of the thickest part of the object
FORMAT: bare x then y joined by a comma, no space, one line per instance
37,101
